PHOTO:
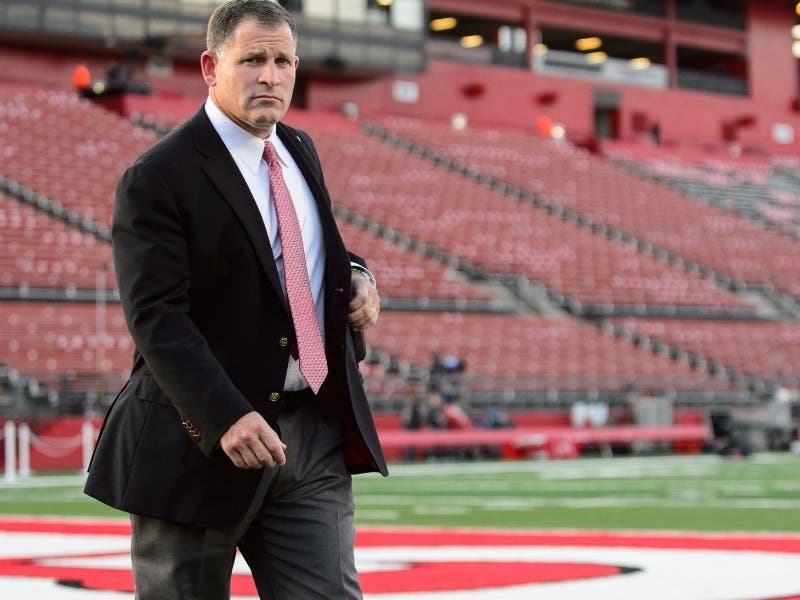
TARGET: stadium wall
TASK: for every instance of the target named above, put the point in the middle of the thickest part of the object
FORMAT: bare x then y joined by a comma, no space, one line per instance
774,72
501,96
513,97
497,96
507,97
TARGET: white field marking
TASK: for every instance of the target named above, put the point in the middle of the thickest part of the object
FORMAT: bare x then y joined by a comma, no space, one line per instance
665,575
17,588
123,561
632,472
424,509
581,466
45,481
772,457
700,484
599,502
744,488
57,521
379,515
46,497
708,491
785,486
689,494
46,544
490,486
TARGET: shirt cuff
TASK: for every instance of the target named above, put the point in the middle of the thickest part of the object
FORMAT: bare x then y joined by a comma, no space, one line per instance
367,273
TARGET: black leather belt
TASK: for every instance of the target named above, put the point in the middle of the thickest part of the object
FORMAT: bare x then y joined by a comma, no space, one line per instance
291,401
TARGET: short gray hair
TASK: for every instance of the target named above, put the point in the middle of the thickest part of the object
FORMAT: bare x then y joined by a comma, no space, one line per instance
227,17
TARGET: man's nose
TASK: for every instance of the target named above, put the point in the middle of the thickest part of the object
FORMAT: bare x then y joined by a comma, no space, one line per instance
270,74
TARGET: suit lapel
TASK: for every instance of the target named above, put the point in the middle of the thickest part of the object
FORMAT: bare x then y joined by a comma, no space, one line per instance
334,247
337,272
302,157
224,175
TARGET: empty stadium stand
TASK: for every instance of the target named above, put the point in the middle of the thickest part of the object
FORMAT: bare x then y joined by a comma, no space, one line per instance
406,274
41,252
528,353
67,149
767,350
67,353
455,227
760,188
487,228
662,220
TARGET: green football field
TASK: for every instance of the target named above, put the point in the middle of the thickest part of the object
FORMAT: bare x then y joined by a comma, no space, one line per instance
687,493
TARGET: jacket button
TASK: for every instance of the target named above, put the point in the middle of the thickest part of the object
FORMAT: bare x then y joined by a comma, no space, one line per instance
274,397
283,342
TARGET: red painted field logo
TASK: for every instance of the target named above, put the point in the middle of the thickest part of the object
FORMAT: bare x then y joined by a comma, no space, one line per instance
497,565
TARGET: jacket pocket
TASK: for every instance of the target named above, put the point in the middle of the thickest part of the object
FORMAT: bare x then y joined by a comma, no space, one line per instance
147,389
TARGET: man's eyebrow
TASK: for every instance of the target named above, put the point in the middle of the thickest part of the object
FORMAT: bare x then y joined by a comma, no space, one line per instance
253,54
261,53
284,54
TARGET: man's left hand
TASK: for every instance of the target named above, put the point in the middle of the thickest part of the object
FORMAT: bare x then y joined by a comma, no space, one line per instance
365,304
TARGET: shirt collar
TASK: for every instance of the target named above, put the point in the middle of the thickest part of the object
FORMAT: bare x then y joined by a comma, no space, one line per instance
247,147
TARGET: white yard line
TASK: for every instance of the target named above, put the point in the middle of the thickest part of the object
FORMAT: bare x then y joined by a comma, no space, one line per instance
598,502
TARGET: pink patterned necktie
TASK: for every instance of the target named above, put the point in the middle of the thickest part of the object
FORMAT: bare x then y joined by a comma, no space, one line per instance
310,347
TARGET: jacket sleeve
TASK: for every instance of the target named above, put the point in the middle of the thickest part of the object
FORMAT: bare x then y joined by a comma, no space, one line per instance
152,261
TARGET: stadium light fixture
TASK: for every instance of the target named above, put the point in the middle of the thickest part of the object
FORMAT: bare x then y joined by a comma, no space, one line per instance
796,49
797,8
558,131
796,32
443,24
639,63
471,41
458,121
596,58
540,49
588,43
384,2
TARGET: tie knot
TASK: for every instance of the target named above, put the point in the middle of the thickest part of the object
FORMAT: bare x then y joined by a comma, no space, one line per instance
269,154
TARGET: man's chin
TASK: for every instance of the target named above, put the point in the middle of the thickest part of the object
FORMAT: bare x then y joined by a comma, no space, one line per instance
265,122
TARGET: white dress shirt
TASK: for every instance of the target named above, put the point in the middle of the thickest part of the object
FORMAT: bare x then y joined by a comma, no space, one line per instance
247,152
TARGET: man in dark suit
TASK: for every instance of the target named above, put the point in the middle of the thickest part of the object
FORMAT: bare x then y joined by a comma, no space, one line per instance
224,437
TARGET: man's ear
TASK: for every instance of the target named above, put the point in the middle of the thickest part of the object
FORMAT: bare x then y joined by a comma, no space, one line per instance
208,66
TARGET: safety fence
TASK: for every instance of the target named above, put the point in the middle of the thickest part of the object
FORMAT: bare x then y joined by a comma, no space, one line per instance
26,449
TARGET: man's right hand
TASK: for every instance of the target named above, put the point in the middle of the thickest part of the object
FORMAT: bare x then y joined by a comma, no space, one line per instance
251,443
